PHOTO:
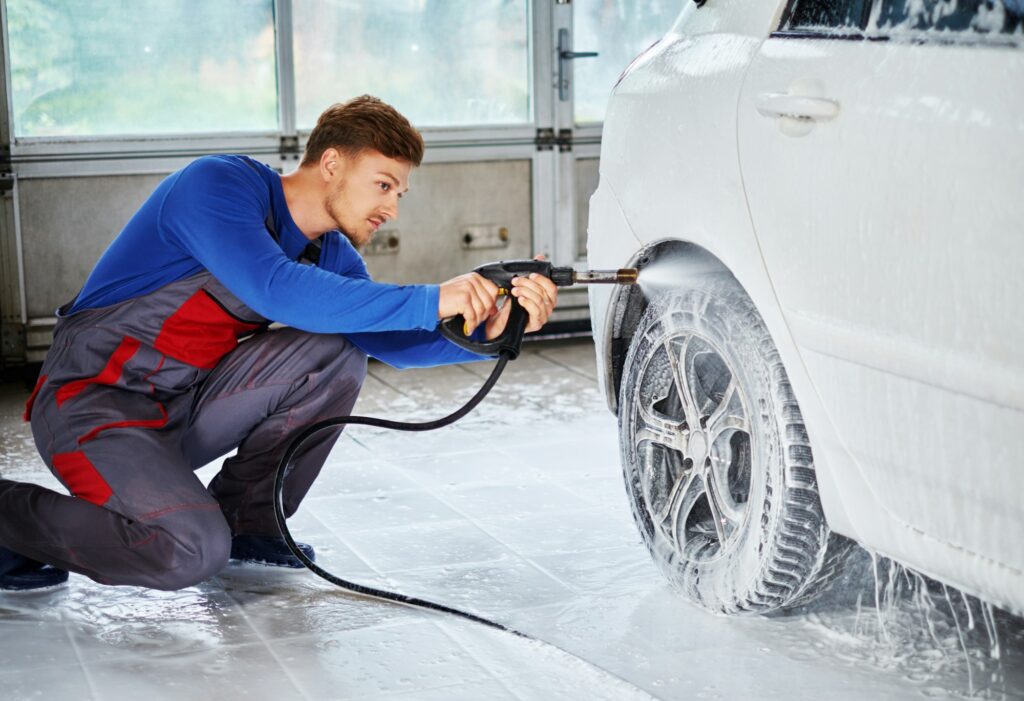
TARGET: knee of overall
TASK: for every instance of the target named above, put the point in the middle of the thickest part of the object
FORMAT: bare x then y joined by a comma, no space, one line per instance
345,373
192,550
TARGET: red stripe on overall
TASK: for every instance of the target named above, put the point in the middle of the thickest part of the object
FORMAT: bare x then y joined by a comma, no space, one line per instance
201,332
108,376
81,477
27,416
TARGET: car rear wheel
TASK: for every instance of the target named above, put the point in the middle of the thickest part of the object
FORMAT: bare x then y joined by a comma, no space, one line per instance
717,463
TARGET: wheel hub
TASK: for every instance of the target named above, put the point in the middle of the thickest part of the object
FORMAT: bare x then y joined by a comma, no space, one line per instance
698,447
692,437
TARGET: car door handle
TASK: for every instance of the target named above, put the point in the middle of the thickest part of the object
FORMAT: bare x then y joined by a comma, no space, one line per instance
819,109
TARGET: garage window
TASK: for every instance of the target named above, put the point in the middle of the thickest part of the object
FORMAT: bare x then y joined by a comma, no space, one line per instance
617,31
440,63
142,67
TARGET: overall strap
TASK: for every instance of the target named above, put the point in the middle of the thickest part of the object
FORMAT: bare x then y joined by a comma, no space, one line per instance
311,253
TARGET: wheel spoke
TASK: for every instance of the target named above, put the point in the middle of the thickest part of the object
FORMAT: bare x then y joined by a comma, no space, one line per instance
662,469
689,488
658,429
678,487
715,503
677,361
726,416
719,495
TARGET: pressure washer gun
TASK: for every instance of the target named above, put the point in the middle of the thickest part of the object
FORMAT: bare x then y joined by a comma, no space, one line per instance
501,274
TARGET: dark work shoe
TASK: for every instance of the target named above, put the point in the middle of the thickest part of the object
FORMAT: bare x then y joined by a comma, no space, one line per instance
18,573
268,550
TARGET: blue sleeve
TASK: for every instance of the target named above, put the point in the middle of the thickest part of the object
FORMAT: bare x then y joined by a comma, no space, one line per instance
399,349
215,213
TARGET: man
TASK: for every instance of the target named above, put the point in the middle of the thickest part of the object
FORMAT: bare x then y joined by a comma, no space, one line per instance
146,379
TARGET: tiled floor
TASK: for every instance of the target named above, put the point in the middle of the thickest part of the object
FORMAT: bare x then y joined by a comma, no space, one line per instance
517,513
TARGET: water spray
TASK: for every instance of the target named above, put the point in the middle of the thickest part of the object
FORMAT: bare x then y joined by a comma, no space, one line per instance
504,348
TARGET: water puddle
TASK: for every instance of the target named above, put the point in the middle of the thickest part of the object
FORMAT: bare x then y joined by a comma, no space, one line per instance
887,618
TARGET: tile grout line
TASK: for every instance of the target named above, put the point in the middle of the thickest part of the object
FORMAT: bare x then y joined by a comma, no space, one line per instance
562,651
567,367
270,650
490,535
480,661
354,550
387,384
81,663
529,562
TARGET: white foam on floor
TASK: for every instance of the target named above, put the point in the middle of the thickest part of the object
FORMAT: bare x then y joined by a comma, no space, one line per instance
519,514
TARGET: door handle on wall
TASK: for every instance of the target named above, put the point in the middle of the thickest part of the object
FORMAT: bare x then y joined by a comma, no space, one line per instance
804,107
566,54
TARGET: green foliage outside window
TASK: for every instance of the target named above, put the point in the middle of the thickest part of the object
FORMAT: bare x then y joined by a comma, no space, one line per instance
92,68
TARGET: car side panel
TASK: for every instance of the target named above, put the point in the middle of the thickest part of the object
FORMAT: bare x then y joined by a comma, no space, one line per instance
893,237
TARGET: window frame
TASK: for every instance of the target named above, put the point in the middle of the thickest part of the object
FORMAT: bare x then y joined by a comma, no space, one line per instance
52,156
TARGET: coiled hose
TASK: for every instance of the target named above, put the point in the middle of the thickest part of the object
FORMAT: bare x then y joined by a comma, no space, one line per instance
285,463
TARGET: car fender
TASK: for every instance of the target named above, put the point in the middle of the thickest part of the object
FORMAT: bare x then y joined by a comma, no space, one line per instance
658,134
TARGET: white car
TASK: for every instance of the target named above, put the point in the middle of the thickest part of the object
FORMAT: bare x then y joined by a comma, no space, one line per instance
826,201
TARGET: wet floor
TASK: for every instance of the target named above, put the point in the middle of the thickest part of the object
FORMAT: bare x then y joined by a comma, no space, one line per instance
519,514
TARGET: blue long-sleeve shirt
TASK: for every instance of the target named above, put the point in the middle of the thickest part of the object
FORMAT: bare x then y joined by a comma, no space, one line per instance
211,216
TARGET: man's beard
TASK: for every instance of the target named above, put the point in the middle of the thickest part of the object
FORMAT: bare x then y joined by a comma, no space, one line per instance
353,236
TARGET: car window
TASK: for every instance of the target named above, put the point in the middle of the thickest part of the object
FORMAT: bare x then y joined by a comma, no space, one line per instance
827,14
984,16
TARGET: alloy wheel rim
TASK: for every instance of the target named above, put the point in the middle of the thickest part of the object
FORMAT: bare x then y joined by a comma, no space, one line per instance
691,435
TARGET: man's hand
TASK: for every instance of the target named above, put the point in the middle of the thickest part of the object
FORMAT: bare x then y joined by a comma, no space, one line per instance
538,296
471,295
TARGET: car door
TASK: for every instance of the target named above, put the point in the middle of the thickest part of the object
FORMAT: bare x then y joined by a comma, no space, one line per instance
882,153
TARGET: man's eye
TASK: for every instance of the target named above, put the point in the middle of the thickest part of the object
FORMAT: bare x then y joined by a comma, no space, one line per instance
385,186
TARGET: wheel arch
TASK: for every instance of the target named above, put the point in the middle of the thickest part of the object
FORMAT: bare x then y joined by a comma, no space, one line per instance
629,302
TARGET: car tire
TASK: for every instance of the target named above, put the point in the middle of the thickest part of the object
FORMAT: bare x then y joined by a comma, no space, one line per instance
711,433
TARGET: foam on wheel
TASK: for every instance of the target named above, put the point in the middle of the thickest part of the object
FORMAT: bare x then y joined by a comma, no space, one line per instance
716,458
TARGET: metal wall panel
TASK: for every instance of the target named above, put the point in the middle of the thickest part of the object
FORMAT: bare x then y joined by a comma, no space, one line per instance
442,199
66,223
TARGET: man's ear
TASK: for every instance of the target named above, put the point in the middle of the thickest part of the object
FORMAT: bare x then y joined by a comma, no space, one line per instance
330,164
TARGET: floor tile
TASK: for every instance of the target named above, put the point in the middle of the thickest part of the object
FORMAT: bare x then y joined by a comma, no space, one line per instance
38,645
491,690
533,669
554,532
373,662
69,682
246,671
488,589
417,546
134,623
350,515
488,501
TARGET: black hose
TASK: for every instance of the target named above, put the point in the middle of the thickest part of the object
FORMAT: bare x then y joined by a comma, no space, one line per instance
282,471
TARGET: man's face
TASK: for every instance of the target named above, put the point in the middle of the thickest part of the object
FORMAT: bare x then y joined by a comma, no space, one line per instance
363,193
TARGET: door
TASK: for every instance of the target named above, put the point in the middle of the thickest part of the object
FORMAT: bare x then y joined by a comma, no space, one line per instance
590,43
883,170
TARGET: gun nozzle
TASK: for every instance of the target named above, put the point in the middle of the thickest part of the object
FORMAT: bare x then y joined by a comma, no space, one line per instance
622,276
627,276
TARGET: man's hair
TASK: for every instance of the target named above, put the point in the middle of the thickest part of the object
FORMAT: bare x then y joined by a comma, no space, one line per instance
364,122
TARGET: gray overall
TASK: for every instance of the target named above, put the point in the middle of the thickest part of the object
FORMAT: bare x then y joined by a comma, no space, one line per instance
134,397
